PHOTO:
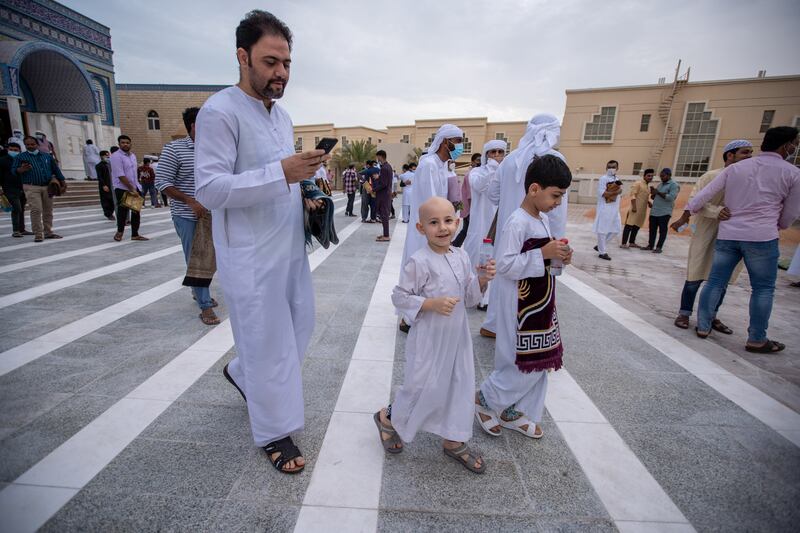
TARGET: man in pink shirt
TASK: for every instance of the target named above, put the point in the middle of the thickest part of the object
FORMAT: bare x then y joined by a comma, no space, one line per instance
763,196
466,200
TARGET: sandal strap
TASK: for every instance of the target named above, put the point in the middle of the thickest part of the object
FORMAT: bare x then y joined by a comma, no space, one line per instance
287,449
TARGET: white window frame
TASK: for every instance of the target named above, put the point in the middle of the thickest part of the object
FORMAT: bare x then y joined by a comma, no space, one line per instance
711,161
613,125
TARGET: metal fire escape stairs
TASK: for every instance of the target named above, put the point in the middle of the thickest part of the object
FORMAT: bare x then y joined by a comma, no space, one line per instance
670,133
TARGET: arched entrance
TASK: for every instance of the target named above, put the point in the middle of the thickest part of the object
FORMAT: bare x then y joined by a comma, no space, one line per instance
39,77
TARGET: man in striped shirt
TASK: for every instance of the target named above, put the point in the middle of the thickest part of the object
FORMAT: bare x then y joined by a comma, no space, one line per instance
37,170
175,178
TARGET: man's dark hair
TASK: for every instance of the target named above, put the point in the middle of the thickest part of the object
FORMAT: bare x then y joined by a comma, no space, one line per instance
474,157
104,152
146,160
412,165
351,166
370,162
777,137
114,149
405,168
89,141
548,171
190,117
121,137
648,171
381,153
12,143
258,23
30,137
612,162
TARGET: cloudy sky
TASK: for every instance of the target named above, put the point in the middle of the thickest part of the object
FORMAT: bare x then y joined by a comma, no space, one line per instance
378,63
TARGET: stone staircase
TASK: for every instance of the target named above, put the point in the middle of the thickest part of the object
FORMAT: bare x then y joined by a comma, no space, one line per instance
79,194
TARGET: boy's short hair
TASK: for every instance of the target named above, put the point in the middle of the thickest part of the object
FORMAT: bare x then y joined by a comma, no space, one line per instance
380,153
548,171
474,157
146,160
612,162
648,171
104,152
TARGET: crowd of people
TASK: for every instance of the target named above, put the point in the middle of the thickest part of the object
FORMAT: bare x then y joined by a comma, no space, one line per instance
496,241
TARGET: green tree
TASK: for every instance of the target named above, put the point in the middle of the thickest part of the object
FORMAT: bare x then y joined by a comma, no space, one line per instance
354,152
414,158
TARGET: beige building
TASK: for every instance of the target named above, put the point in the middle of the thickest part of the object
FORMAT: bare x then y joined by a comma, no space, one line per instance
151,115
477,131
681,124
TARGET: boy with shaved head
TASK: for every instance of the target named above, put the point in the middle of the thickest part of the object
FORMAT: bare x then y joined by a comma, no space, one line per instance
437,284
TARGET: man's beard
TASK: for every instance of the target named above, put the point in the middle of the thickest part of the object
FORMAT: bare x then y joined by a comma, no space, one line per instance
265,91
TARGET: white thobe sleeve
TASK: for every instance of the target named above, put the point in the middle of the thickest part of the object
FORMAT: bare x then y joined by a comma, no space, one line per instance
480,181
511,264
496,181
406,295
472,285
216,184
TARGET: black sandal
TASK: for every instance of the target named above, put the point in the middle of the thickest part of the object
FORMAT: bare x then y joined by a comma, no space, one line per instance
288,451
767,347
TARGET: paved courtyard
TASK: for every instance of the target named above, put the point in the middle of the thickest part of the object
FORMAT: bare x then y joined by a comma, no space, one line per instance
115,416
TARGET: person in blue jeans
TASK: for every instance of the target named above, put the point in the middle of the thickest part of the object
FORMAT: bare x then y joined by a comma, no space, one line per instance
763,196
175,178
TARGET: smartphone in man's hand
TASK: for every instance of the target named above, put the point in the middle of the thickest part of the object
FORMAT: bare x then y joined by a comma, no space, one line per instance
327,144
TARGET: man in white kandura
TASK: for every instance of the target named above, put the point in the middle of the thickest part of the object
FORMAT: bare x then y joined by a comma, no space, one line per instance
91,156
482,209
247,174
430,179
507,189
607,221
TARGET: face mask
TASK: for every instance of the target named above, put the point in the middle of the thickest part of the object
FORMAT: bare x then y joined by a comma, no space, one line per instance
104,158
791,154
612,171
13,154
457,150
34,152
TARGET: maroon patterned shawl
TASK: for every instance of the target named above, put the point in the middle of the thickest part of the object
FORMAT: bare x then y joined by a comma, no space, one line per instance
538,337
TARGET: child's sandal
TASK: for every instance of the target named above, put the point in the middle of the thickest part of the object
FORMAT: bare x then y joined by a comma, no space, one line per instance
390,444
470,461
529,431
489,423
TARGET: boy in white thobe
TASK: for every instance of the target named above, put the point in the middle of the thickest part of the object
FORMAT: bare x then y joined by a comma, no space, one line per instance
406,180
247,174
482,209
516,388
507,188
436,287
607,221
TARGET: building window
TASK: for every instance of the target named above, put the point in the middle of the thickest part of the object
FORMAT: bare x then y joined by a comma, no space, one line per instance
796,159
500,136
153,122
344,141
102,97
645,125
316,141
429,141
601,128
467,145
697,141
637,169
766,120
298,145
406,139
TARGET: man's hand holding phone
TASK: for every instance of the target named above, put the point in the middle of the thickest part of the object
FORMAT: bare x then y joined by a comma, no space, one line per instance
303,165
